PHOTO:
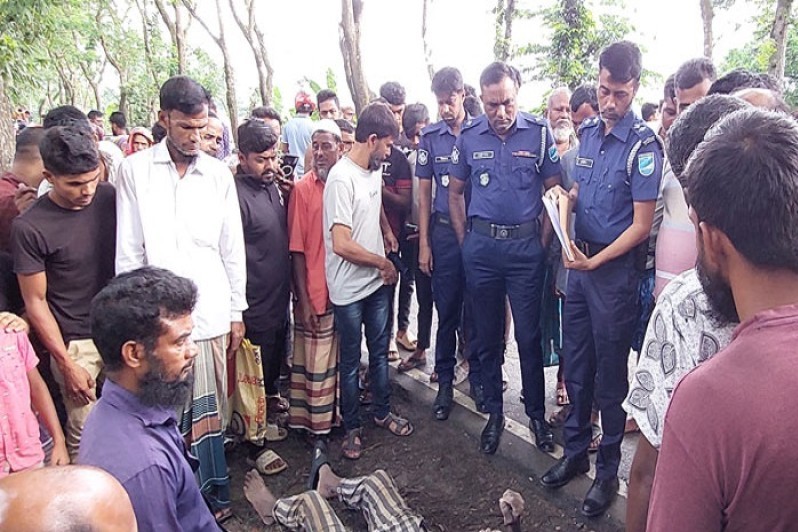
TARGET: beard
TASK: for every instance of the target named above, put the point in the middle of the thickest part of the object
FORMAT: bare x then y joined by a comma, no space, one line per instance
722,310
322,173
562,132
154,390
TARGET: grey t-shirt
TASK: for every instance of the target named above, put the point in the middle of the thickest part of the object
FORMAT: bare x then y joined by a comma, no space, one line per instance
353,198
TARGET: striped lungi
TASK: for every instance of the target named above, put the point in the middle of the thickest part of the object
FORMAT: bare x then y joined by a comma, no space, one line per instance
201,425
314,377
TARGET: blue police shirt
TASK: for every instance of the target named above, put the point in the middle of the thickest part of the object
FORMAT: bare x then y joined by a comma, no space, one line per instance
506,175
613,172
434,156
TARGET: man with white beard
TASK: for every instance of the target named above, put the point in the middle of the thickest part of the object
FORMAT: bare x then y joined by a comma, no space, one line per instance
558,113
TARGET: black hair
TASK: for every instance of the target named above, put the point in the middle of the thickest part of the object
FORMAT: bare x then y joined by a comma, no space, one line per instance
495,72
742,78
743,180
648,110
327,94
693,72
27,142
94,114
669,90
376,119
393,92
183,94
131,307
255,136
265,112
689,129
158,132
623,61
584,94
64,115
345,125
446,81
118,119
414,113
69,150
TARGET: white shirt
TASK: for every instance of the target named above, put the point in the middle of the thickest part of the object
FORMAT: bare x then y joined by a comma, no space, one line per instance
353,198
680,336
189,225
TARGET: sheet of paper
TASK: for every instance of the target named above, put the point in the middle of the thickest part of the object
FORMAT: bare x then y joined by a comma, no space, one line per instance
560,225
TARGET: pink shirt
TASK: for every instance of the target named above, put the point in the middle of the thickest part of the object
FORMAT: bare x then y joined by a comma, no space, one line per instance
306,237
676,248
728,459
19,431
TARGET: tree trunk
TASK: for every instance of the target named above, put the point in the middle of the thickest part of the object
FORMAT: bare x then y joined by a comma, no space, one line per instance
229,73
707,17
509,16
427,51
7,135
177,28
254,37
351,11
778,33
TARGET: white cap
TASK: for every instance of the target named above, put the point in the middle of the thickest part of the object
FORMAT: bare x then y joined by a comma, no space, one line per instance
328,126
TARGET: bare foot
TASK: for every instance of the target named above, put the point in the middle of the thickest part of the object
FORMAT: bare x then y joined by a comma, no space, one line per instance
512,506
328,482
259,496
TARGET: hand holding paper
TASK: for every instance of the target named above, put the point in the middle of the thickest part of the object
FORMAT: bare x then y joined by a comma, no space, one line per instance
558,204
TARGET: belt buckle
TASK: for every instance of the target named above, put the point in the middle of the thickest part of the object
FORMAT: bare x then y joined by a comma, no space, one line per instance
502,232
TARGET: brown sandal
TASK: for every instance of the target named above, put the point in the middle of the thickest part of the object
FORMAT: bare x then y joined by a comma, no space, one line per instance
353,444
411,363
398,426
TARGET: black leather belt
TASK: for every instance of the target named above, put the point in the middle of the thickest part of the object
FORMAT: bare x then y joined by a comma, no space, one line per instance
590,249
502,231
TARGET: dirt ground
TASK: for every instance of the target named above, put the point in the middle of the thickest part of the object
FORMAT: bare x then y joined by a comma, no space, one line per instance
439,471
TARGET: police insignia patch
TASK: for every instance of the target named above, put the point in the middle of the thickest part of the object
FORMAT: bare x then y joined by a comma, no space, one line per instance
455,155
484,179
423,157
444,181
554,154
646,164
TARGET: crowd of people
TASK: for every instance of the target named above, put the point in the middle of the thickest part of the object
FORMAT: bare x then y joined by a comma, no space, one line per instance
139,267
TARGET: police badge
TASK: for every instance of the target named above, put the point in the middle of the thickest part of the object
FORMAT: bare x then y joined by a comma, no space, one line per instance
445,181
423,157
484,179
455,155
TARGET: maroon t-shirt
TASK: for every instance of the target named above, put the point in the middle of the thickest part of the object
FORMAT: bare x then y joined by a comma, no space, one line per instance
728,459
75,249
8,209
396,176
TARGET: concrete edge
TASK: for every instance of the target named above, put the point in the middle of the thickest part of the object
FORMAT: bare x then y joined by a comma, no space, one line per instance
517,443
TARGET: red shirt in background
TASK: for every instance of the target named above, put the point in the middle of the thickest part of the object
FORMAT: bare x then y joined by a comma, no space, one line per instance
8,209
396,176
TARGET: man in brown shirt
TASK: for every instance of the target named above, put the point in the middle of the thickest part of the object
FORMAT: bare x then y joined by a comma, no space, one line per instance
18,185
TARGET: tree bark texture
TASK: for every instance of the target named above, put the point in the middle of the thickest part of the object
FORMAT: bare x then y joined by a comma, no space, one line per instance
351,11
7,135
177,31
707,18
778,33
254,36
427,50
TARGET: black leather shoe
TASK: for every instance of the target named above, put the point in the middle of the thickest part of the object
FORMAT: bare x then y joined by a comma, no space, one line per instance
600,496
443,401
564,470
478,395
492,433
544,439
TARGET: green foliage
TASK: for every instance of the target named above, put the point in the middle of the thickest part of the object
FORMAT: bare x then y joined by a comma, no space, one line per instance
755,55
570,56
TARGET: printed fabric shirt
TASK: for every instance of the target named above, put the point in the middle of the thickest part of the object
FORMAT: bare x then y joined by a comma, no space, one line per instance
680,336
20,447
189,225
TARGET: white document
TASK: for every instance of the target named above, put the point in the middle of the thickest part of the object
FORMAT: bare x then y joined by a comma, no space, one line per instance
560,223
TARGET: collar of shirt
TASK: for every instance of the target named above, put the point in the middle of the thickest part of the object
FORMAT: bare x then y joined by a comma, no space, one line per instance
253,180
521,122
622,128
161,155
446,129
122,399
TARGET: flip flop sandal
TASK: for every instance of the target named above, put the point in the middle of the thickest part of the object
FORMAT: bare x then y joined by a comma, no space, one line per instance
276,403
406,343
562,395
222,516
353,444
595,443
411,363
319,459
433,377
398,426
275,433
267,462
557,419
393,352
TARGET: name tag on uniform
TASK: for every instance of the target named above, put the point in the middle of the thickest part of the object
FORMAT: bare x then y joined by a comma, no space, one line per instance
584,162
525,154
483,155
443,159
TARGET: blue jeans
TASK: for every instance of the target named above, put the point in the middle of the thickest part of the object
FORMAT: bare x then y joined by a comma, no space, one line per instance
371,313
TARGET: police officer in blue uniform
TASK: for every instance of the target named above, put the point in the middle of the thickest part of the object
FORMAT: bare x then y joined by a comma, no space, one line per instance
439,250
617,176
508,157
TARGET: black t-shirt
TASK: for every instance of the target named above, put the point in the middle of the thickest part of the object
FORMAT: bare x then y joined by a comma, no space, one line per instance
264,219
10,299
75,249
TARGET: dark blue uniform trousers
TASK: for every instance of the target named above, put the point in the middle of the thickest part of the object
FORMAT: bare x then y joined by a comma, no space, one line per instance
496,270
449,295
598,322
